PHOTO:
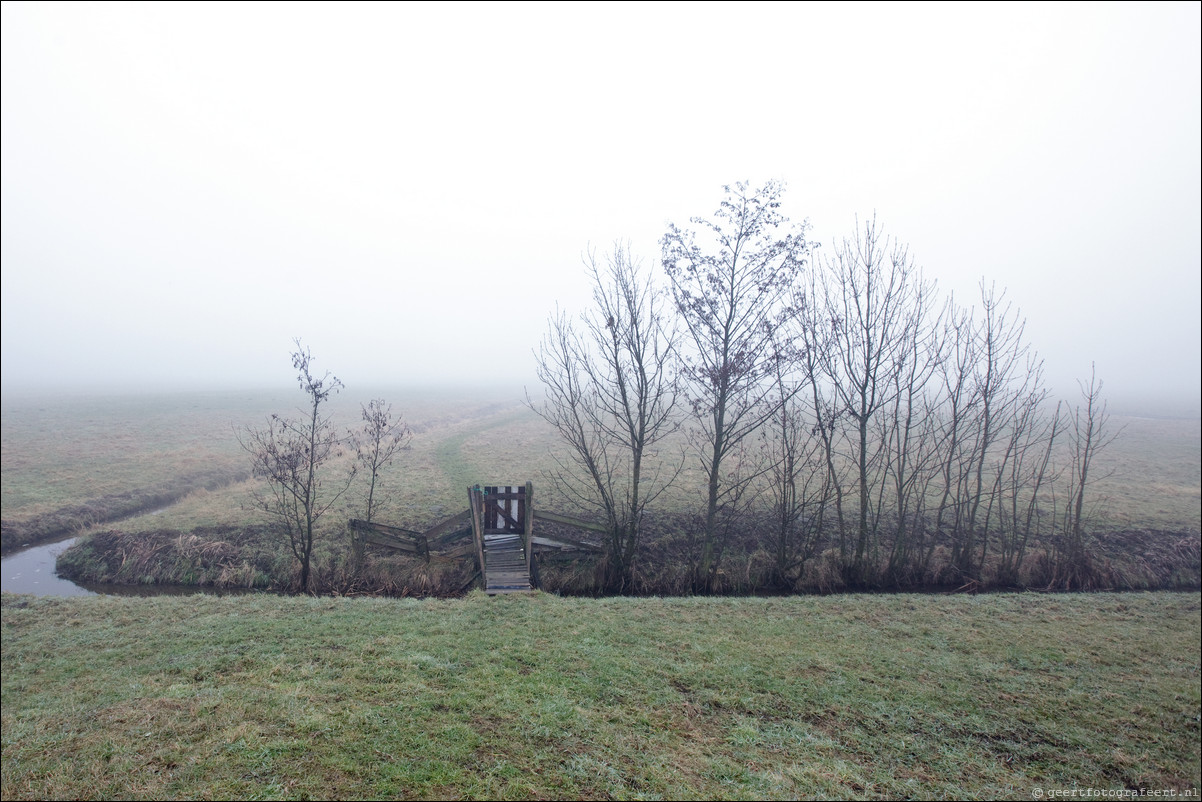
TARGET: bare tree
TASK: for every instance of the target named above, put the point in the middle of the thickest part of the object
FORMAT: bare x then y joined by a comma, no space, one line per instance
799,485
611,395
815,334
376,445
1089,434
291,455
1006,374
875,305
1029,474
733,296
953,412
907,429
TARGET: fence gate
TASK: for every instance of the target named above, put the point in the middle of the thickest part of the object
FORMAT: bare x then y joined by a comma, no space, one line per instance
503,525
504,510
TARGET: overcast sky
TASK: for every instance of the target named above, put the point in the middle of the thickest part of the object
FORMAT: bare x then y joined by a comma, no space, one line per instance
409,188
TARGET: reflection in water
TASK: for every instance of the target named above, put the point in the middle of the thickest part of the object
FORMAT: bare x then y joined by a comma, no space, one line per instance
32,571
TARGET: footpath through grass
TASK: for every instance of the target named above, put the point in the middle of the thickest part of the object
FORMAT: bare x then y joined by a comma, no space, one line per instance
897,696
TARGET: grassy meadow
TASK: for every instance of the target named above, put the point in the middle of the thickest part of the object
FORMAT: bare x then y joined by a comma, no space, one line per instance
537,697
161,485
77,454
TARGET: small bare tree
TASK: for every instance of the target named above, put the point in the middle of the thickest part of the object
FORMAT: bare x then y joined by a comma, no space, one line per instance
1089,433
291,455
799,483
611,395
376,445
733,294
1030,472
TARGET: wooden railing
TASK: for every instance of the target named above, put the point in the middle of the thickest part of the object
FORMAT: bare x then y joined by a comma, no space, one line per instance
492,510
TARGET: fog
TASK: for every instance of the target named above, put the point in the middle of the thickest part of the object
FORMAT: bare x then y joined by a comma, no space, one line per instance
410,188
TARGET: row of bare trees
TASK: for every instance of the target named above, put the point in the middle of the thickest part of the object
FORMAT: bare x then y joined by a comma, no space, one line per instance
832,402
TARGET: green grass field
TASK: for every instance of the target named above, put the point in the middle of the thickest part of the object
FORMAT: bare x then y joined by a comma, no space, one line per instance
535,697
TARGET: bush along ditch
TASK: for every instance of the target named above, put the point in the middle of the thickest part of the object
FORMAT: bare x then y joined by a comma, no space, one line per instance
220,557
254,557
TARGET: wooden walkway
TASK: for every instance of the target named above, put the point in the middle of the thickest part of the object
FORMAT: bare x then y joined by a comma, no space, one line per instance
505,567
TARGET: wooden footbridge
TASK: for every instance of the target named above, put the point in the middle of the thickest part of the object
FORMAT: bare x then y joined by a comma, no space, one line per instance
501,522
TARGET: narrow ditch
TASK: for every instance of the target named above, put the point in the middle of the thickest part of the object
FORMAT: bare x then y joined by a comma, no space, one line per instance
65,522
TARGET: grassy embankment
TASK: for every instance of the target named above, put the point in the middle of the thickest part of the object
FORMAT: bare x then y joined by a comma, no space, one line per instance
542,697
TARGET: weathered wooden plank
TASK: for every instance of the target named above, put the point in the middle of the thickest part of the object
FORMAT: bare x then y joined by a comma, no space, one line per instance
393,537
560,541
368,526
505,491
388,541
451,526
450,538
528,533
475,506
557,555
567,520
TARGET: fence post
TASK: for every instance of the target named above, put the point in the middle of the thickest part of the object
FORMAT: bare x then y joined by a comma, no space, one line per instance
475,504
528,534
